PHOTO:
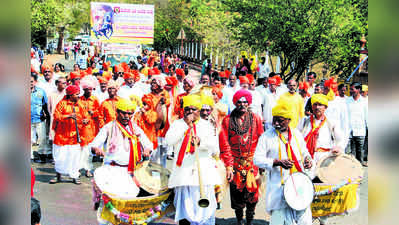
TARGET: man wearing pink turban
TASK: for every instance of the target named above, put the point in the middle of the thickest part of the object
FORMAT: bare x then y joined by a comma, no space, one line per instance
237,142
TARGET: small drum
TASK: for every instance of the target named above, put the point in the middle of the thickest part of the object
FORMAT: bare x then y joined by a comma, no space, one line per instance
298,191
115,181
152,177
333,169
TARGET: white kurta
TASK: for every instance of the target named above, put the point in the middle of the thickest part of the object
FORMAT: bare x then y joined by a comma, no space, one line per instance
185,179
256,105
126,91
102,96
121,153
228,93
269,101
266,151
330,135
337,111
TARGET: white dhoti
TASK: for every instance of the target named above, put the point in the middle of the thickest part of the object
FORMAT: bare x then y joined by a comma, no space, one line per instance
289,216
86,159
67,159
186,204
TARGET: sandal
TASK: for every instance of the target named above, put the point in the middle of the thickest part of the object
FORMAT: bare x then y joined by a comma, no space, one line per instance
56,179
76,181
89,174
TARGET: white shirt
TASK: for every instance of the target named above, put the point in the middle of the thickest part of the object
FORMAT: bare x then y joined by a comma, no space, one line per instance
269,101
358,113
122,149
48,87
228,93
257,101
126,91
337,111
266,151
102,96
187,173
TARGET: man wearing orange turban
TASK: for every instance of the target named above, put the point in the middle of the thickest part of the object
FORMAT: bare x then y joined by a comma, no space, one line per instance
101,93
269,101
130,87
69,120
108,107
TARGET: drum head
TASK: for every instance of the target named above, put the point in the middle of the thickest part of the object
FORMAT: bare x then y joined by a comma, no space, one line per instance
298,191
334,169
116,182
152,177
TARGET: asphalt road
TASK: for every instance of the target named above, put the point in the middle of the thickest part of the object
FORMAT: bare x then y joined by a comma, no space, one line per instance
69,204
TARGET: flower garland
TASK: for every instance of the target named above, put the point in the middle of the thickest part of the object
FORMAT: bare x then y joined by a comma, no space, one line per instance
335,188
125,218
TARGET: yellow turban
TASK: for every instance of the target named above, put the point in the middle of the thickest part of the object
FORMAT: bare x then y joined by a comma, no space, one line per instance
320,98
125,105
207,100
365,87
283,108
192,100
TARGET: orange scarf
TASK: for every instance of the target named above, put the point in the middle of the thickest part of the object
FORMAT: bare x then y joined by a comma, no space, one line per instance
311,138
186,145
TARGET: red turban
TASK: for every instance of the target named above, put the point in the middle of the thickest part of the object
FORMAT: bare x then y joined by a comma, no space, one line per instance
242,93
74,75
272,80
136,75
105,66
303,86
218,92
128,75
156,71
89,71
147,99
243,80
278,79
332,84
180,72
72,89
46,67
125,67
222,74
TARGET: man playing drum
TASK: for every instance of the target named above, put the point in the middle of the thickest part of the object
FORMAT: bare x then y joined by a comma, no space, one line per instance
126,143
194,145
282,151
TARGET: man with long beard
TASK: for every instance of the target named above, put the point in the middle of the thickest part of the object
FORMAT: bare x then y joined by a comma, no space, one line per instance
237,141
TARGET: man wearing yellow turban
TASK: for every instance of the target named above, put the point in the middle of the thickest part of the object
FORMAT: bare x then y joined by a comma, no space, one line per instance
282,151
189,136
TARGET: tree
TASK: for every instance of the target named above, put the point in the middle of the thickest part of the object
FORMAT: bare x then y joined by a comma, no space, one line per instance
300,31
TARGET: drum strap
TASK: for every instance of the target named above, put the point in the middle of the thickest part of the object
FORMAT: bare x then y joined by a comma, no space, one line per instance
311,138
290,153
186,145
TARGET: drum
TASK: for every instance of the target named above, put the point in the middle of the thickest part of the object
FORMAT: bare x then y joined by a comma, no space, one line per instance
298,191
115,182
334,169
152,177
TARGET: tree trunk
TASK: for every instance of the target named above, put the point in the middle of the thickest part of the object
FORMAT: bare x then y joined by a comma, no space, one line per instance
60,39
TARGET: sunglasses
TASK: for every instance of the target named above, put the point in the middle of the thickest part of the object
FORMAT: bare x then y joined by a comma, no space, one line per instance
242,102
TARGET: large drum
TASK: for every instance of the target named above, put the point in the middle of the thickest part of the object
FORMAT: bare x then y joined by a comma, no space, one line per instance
152,177
298,191
335,169
120,195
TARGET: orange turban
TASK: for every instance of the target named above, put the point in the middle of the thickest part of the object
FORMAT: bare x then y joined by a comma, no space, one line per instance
125,67
172,81
251,78
148,101
46,67
72,89
102,80
272,80
74,75
222,74
244,80
332,84
218,92
227,72
105,66
156,71
128,75
303,86
180,72
278,79
136,75
89,71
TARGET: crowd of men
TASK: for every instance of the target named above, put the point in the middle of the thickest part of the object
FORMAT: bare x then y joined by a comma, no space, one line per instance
241,121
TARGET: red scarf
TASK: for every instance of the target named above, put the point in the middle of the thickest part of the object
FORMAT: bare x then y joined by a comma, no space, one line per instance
311,138
135,147
290,151
186,145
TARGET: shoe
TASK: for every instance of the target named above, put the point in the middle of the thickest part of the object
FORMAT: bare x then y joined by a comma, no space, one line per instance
169,157
56,179
365,164
76,181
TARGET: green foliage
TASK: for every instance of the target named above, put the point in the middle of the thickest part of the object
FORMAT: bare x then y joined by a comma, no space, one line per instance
301,31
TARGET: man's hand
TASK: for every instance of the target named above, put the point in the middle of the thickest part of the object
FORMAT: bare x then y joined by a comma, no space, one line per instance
195,141
147,152
285,163
308,163
229,174
97,151
336,151
72,116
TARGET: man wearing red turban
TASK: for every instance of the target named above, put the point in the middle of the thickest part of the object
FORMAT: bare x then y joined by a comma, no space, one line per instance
237,142
269,101
130,87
